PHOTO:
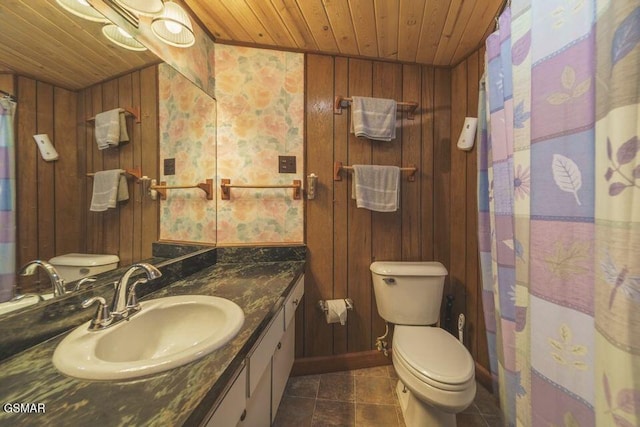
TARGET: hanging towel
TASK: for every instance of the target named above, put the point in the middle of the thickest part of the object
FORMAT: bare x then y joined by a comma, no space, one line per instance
373,118
376,188
109,187
111,128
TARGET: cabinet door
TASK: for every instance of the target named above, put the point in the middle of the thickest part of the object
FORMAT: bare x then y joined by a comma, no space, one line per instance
233,404
259,406
282,363
260,358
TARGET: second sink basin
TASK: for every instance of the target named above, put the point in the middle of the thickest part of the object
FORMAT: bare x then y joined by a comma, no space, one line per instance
166,333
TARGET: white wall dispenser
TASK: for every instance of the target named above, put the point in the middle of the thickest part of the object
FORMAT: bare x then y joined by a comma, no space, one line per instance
47,150
468,134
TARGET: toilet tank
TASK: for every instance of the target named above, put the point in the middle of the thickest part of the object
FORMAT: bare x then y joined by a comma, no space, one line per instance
408,293
74,266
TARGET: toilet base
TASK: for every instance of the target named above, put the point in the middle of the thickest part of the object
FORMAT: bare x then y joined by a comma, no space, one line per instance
419,414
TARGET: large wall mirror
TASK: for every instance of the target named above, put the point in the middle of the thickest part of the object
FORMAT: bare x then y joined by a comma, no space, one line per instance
63,71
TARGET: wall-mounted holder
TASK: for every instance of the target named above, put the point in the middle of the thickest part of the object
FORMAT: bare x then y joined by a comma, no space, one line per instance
226,186
312,183
338,166
128,112
161,189
340,102
322,305
135,172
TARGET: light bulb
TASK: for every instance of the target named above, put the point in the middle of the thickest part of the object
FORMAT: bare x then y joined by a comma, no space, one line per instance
173,27
124,33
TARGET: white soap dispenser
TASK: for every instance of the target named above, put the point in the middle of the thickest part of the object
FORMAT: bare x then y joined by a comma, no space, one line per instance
468,134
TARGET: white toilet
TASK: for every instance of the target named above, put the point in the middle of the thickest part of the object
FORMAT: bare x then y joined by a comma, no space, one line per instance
74,266
437,373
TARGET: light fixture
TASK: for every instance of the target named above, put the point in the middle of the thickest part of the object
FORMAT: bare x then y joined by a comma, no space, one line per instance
82,9
120,37
169,22
144,7
173,26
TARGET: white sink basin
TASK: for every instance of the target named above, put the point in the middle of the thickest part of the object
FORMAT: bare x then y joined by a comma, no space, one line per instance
164,334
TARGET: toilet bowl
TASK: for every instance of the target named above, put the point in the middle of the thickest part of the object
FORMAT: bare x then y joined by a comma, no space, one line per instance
436,372
75,266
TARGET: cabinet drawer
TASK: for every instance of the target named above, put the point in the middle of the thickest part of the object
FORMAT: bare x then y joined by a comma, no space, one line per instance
260,358
233,404
293,301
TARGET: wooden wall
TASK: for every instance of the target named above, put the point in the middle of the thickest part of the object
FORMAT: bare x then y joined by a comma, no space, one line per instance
53,198
464,269
436,220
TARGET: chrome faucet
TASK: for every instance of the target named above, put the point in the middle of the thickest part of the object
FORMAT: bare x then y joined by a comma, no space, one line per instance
56,281
124,304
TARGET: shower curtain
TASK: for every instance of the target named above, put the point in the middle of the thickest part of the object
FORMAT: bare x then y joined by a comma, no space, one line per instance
559,220
7,200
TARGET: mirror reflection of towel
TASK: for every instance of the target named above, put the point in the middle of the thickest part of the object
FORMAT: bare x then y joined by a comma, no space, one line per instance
111,128
109,187
376,188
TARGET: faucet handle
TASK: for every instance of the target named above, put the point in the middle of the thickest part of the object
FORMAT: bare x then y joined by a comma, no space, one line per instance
132,298
103,317
82,281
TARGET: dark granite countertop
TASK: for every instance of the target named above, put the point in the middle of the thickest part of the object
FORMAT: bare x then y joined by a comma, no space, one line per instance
179,396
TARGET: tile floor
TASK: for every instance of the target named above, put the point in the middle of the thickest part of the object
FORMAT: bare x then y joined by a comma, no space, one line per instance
363,398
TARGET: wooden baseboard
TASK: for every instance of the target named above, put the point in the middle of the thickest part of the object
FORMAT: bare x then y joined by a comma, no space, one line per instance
340,362
483,376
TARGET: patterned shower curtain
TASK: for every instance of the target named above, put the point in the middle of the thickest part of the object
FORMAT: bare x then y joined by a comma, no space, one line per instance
559,220
7,200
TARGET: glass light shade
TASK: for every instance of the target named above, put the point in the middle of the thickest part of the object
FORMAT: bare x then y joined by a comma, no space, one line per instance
174,26
145,7
82,9
120,37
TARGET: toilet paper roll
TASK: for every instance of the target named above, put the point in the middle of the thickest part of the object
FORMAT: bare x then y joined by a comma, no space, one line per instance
336,311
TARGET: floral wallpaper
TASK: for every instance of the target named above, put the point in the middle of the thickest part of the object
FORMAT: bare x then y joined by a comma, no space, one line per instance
187,123
260,95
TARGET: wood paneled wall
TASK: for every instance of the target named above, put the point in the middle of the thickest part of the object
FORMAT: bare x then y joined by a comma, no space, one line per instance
53,198
464,271
436,220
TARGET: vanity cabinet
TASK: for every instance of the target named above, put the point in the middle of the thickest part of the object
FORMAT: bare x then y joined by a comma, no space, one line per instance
255,395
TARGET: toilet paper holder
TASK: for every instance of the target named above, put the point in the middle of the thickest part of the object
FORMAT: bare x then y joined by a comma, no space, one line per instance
322,305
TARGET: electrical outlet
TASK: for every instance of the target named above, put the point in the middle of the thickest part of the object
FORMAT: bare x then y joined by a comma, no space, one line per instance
287,164
169,167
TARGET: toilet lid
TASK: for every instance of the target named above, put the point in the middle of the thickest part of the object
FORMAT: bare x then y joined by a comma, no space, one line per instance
433,354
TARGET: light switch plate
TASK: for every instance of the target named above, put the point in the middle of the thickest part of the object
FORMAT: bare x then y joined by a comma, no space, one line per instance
287,164
169,167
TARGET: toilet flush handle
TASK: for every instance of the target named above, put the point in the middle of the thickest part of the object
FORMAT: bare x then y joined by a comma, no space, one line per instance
389,280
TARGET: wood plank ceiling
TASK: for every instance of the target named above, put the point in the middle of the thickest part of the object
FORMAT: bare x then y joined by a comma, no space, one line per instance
434,32
39,39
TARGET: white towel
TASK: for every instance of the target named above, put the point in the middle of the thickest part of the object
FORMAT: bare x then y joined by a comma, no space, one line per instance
111,128
109,187
373,118
376,188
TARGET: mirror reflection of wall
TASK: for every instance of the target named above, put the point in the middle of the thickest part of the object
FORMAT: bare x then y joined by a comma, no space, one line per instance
62,70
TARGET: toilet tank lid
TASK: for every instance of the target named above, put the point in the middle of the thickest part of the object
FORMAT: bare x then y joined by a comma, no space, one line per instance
402,268
84,260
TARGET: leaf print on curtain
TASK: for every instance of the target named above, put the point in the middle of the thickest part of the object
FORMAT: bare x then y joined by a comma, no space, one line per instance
625,154
567,175
567,353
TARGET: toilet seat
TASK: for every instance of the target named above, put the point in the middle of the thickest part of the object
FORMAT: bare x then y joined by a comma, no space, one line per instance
434,357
